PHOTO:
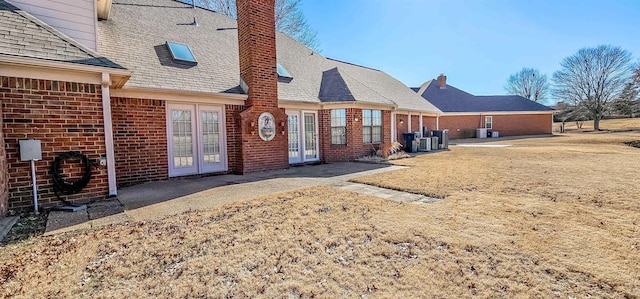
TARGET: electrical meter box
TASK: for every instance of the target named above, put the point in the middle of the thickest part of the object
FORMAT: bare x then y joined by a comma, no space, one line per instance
30,149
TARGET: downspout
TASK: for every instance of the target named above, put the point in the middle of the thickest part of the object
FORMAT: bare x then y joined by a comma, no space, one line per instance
108,133
438,121
408,122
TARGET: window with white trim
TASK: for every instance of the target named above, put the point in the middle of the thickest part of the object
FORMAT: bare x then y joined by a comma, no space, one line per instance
488,122
338,127
371,126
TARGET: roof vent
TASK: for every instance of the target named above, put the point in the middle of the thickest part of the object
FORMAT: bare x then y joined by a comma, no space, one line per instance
181,53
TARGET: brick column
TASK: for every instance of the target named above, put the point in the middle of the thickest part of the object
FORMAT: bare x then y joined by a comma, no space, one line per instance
257,53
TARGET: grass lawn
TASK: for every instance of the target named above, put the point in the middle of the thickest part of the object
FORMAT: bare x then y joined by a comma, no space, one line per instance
620,124
546,217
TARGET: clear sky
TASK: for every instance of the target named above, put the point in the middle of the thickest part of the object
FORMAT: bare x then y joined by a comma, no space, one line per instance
476,43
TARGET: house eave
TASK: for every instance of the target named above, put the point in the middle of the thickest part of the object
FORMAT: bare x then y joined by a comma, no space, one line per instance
179,95
18,64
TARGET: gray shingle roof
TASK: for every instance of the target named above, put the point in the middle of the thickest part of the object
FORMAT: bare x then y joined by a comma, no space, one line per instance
451,99
23,35
137,30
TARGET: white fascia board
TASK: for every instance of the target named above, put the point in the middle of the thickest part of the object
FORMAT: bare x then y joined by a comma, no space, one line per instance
180,95
488,113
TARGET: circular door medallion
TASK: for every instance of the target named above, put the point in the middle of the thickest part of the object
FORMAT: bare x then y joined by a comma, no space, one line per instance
266,126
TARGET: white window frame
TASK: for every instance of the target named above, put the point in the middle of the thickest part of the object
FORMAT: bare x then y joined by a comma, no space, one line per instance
372,126
488,122
332,126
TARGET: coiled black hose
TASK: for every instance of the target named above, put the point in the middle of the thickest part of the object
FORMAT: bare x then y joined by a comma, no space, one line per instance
60,184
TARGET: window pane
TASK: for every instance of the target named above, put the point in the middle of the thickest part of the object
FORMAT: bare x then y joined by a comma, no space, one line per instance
376,117
366,134
210,137
338,136
182,143
294,151
376,135
338,117
366,117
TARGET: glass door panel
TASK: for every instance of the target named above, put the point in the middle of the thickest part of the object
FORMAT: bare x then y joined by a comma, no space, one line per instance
181,140
294,138
310,143
211,139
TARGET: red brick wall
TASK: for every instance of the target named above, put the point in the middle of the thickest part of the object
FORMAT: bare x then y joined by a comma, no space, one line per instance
415,123
354,148
234,137
402,126
506,125
257,56
4,184
65,116
140,140
527,124
430,122
457,123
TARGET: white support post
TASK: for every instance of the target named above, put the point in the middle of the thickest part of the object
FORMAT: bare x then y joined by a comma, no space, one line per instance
393,127
108,133
421,126
409,122
437,121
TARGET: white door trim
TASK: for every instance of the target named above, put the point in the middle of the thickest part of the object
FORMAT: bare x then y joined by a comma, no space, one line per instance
197,146
302,136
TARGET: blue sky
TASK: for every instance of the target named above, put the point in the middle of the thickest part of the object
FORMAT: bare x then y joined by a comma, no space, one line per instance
476,43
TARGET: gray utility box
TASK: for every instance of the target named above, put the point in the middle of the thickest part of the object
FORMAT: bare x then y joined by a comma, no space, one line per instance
434,143
30,149
443,138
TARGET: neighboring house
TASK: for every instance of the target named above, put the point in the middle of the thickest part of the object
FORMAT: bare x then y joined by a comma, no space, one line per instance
160,89
462,113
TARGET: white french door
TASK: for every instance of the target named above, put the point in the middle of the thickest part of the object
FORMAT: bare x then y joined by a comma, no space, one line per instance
196,139
303,136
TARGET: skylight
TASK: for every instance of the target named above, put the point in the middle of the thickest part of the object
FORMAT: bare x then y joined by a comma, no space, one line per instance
282,72
181,53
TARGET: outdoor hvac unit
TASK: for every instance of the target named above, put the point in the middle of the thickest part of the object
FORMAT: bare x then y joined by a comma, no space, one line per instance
481,133
425,145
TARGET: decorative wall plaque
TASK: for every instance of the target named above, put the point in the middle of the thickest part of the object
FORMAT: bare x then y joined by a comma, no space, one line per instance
266,126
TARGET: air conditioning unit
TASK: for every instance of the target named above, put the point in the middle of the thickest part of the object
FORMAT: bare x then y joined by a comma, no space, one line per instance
425,145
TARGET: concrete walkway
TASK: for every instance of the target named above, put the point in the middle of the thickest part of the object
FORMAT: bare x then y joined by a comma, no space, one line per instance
155,200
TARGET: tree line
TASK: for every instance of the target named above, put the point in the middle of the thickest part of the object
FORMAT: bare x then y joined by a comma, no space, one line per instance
590,85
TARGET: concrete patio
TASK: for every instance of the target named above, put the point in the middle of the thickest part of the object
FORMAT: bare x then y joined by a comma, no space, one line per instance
155,200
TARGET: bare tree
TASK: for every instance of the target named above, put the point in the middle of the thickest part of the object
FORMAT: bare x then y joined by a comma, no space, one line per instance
289,19
528,83
592,78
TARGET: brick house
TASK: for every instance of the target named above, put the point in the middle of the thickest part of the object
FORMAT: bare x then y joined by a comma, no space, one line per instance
159,89
462,113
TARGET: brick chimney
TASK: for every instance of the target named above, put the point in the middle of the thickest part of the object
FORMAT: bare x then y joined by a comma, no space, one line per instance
257,53
442,81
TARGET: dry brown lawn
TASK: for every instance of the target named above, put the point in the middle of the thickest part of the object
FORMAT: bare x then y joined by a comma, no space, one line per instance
549,217
620,124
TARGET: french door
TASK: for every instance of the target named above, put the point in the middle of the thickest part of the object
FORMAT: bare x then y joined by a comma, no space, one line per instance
303,136
196,139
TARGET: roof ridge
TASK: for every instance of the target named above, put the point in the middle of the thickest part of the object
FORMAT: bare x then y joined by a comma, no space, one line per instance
350,63
346,73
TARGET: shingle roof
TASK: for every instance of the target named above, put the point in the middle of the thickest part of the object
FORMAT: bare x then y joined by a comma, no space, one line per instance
451,99
137,30
23,35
